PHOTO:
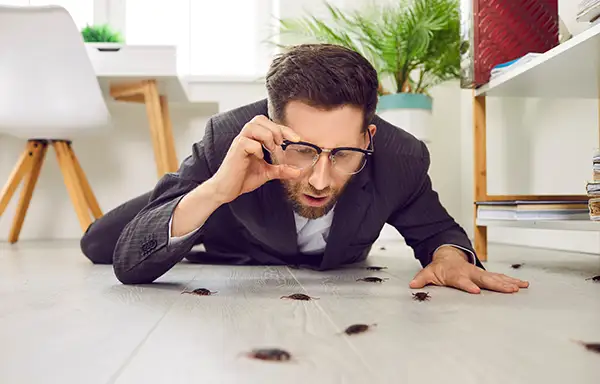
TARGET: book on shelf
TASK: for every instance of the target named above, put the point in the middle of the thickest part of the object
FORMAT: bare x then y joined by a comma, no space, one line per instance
596,166
593,191
593,188
533,210
594,208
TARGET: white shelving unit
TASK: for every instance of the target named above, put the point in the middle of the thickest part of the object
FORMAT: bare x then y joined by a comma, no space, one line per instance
564,225
550,75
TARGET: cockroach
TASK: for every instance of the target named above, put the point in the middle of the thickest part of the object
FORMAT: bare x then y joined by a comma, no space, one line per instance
595,278
382,249
201,292
372,279
374,268
270,354
516,266
594,347
358,328
299,296
421,296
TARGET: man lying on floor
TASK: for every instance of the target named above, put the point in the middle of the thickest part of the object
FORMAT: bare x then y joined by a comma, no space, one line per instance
307,177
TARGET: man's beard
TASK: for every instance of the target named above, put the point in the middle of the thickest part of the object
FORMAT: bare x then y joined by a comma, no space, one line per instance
295,189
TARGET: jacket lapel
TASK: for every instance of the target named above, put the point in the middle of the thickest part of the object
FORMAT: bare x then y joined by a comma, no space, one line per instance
350,211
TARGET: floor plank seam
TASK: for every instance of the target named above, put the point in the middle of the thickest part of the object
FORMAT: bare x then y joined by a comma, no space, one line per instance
136,350
335,326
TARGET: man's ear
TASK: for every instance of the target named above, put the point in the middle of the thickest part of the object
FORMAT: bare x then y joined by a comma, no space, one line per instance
373,129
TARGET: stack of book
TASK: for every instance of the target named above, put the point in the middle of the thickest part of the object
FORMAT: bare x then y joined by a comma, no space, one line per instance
593,189
588,11
533,210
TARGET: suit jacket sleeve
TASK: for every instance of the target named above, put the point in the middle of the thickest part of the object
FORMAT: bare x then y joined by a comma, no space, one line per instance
143,251
423,221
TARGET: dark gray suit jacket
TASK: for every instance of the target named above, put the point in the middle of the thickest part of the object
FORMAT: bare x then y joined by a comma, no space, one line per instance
259,227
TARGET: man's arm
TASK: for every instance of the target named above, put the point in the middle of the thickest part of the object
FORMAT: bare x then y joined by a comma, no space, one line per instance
167,228
424,222
145,250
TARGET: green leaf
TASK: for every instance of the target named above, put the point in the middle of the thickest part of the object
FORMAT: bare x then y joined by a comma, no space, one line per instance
100,34
412,42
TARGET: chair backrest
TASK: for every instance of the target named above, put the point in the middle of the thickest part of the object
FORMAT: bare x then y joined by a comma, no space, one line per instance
48,87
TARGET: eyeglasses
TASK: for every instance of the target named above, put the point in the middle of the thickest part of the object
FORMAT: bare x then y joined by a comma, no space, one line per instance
347,160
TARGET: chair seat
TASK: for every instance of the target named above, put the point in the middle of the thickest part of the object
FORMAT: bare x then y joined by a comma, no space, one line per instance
54,132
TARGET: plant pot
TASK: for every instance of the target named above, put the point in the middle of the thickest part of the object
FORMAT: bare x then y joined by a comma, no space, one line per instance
411,112
106,47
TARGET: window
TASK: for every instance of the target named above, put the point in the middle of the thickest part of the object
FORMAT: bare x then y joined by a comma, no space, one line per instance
224,39
213,38
160,22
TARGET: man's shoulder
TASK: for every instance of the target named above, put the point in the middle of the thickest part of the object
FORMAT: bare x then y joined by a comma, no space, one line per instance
393,144
400,163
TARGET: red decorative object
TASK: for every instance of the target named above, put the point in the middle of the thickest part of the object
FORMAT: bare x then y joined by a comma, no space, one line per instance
497,31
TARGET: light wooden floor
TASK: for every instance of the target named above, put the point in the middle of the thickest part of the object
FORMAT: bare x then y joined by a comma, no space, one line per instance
63,320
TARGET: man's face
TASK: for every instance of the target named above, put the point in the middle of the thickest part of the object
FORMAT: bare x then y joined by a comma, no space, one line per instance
318,188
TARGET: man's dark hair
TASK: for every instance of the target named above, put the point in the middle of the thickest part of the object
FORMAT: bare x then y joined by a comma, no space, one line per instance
324,76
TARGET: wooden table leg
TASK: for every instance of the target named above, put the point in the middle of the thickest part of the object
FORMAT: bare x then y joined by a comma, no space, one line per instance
158,118
173,163
157,127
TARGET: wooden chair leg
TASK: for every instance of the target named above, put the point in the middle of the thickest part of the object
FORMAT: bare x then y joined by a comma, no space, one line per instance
157,128
73,186
19,171
172,163
90,198
38,150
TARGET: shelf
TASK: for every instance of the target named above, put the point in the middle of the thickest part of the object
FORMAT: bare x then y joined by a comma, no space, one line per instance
569,70
565,225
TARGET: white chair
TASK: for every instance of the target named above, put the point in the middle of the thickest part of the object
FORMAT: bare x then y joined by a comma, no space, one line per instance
49,94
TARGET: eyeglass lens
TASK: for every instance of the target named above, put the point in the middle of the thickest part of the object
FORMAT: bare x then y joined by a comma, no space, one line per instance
303,156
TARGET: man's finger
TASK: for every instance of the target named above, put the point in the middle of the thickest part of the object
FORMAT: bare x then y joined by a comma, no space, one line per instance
281,131
282,172
467,285
518,282
489,281
261,134
422,278
251,147
288,133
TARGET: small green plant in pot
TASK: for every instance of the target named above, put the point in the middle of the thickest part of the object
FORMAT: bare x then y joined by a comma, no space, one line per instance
413,45
100,34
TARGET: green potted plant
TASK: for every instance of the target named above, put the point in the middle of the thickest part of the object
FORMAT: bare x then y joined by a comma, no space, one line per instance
101,36
413,45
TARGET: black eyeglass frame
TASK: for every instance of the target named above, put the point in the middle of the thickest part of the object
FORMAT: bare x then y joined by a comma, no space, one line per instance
333,151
